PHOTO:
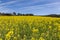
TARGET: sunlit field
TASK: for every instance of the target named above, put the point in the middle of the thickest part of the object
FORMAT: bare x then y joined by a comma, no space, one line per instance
29,28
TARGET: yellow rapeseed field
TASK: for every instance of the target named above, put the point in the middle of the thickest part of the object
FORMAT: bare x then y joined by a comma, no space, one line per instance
29,28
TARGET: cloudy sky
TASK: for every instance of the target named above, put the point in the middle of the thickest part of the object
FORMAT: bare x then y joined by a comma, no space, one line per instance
39,7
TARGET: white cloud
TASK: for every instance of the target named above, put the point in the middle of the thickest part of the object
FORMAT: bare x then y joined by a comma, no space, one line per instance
3,7
10,2
46,8
55,4
7,3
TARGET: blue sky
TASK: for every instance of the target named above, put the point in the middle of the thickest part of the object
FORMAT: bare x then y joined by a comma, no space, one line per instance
38,7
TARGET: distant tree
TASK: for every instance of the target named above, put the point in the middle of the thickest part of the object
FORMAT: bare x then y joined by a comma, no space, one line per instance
19,14
0,13
14,13
53,15
29,14
8,14
23,14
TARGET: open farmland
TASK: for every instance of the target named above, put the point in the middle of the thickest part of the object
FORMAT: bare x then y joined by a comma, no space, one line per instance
29,28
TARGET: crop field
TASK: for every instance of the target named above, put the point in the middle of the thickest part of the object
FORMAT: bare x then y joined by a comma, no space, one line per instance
29,28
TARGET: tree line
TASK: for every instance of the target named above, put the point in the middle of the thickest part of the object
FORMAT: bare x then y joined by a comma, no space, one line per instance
15,14
52,15
27,14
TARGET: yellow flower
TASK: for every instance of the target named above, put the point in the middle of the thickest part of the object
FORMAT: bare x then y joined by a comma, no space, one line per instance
13,24
9,34
15,38
0,38
35,30
32,38
50,27
41,38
